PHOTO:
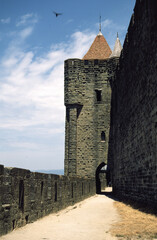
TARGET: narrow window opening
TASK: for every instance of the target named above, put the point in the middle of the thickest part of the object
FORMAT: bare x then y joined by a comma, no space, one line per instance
42,186
72,190
82,189
98,95
55,192
26,218
103,136
21,195
96,62
86,62
13,224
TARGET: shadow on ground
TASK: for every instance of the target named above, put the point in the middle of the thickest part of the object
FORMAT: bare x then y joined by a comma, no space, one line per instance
141,206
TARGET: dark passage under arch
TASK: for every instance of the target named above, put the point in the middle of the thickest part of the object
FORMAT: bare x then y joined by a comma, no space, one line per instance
98,182
101,169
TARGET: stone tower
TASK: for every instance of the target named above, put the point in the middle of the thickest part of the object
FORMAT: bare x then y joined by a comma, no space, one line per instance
87,101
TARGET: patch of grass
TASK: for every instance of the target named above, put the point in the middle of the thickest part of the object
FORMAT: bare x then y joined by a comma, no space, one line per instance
119,235
134,224
154,236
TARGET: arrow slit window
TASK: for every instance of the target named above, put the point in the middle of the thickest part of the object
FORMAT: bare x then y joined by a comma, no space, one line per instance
98,95
103,136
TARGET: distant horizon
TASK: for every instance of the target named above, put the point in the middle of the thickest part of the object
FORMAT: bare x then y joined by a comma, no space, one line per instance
52,171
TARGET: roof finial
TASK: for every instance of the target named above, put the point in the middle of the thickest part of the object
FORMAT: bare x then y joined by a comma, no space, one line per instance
117,35
100,23
99,34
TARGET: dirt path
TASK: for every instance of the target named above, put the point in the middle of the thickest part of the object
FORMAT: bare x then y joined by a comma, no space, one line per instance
90,219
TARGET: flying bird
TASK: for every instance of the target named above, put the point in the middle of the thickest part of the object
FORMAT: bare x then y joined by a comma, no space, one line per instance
57,14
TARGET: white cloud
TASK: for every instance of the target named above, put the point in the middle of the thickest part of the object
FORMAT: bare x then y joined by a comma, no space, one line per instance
26,32
69,21
109,24
25,145
37,83
29,18
106,23
24,29
5,21
32,92
81,43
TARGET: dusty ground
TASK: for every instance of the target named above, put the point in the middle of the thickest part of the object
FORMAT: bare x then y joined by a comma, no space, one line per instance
90,219
134,224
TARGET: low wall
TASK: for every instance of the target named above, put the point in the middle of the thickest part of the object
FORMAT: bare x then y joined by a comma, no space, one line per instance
27,196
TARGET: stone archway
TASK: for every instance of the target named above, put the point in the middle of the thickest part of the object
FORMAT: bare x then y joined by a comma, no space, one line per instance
97,177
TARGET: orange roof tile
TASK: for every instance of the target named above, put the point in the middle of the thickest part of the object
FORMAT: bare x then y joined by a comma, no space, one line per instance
99,49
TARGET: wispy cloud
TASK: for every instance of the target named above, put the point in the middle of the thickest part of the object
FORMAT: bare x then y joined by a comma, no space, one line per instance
5,21
108,23
32,88
24,28
26,32
110,29
32,103
29,18
69,21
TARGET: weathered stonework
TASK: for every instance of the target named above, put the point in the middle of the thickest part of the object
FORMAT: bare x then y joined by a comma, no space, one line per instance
132,158
87,101
27,196
133,135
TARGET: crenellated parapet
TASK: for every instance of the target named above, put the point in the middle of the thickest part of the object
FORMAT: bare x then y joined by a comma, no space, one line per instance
26,196
81,74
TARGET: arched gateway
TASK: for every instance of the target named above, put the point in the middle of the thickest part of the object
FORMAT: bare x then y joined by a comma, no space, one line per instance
101,177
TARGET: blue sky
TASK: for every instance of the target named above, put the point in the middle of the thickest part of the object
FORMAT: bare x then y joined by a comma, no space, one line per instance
33,47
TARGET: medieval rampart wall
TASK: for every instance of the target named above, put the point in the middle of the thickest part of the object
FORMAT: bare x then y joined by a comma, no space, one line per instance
133,135
27,196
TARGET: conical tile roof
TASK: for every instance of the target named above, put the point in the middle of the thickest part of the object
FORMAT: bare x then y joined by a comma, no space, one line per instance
117,48
99,49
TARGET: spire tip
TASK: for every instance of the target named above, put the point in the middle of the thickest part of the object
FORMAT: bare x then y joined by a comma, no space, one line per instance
100,23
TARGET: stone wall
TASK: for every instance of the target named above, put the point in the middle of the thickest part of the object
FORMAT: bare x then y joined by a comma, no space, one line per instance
133,135
87,101
27,196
